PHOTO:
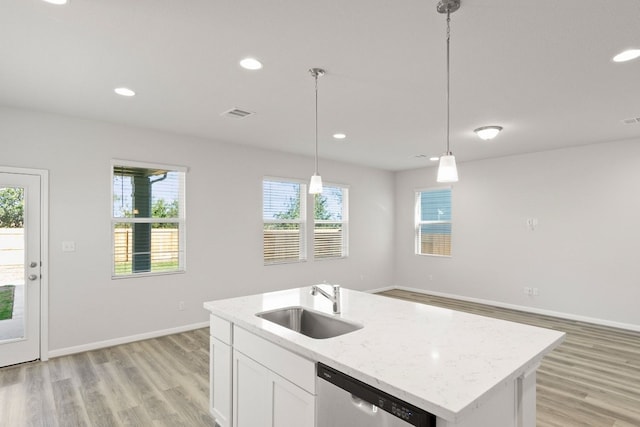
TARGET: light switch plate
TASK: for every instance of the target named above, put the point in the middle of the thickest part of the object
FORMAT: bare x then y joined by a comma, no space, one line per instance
68,246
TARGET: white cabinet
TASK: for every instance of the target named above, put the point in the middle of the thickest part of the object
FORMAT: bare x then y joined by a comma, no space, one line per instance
272,387
220,371
251,392
292,406
256,383
265,399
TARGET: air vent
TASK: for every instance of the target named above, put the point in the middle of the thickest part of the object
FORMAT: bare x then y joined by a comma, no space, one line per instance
631,121
236,113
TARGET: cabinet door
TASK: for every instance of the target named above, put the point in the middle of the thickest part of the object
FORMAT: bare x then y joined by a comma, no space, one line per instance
292,406
220,382
252,393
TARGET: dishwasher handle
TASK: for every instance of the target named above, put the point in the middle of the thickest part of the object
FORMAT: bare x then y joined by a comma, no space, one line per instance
364,406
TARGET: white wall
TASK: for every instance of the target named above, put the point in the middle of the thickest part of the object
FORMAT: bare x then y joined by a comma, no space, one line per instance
584,257
224,225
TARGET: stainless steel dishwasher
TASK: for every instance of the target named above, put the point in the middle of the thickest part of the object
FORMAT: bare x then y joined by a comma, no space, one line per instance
343,401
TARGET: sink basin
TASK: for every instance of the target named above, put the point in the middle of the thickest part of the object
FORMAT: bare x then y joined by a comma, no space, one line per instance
310,323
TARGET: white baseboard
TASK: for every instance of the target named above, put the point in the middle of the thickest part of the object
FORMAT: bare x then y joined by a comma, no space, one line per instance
561,315
386,288
125,340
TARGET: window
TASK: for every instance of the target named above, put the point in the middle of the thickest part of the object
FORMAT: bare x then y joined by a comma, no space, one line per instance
330,237
283,215
147,218
433,222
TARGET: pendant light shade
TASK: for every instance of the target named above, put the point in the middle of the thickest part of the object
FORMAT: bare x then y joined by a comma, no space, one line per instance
315,184
447,170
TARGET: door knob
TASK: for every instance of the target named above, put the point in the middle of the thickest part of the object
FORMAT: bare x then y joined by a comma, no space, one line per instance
33,276
33,264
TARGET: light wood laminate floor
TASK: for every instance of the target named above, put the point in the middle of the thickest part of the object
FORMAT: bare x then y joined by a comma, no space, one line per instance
591,379
157,382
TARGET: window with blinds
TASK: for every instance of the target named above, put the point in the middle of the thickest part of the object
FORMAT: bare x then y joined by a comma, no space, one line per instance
147,218
330,223
433,222
283,215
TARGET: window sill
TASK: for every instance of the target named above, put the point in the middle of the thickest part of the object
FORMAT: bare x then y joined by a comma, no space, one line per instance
150,274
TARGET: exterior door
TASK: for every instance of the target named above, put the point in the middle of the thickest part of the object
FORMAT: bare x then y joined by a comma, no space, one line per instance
20,267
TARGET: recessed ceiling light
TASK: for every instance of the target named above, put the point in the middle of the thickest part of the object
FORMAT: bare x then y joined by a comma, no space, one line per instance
251,64
488,132
339,136
57,2
627,55
124,91
434,158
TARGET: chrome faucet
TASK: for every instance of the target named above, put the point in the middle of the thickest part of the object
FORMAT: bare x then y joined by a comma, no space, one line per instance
335,299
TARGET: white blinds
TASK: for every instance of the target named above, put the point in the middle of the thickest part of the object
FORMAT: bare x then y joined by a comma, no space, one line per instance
283,215
331,223
433,222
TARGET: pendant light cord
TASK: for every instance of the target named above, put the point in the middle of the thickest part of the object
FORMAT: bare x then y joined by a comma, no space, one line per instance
316,77
448,76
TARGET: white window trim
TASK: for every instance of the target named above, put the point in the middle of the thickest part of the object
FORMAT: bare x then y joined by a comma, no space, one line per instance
344,222
302,244
182,235
418,223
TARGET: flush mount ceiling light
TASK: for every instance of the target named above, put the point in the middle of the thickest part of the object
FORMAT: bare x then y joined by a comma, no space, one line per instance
124,91
315,185
251,64
56,2
627,55
488,132
447,170
339,136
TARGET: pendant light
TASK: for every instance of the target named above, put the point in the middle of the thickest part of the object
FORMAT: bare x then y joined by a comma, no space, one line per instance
447,171
315,185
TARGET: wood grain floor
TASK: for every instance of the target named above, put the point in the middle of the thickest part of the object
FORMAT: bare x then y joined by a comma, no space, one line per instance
591,379
157,382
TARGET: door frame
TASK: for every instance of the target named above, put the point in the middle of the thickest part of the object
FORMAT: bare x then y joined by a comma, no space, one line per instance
43,174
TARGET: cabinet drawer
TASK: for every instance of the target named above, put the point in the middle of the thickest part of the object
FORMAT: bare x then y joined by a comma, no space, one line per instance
297,369
221,329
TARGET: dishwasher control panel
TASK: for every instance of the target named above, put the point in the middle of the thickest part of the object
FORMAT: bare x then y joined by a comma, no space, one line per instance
410,414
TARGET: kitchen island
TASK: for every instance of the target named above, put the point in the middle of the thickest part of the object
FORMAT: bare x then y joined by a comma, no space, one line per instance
467,370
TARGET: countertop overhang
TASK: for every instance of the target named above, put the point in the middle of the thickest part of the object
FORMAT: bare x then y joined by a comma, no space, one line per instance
444,361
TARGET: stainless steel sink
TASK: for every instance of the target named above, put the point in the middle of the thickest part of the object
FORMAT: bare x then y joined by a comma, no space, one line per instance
309,323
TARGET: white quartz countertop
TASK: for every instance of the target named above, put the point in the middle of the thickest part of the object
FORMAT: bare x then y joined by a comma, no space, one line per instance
443,361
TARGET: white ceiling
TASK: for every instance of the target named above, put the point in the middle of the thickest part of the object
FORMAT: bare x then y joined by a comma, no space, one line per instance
541,69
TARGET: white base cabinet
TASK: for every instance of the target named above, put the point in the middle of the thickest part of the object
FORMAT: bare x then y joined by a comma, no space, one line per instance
220,353
265,399
220,373
256,383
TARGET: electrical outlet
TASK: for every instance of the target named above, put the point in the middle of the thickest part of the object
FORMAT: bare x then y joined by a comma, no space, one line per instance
527,290
181,305
68,246
536,292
